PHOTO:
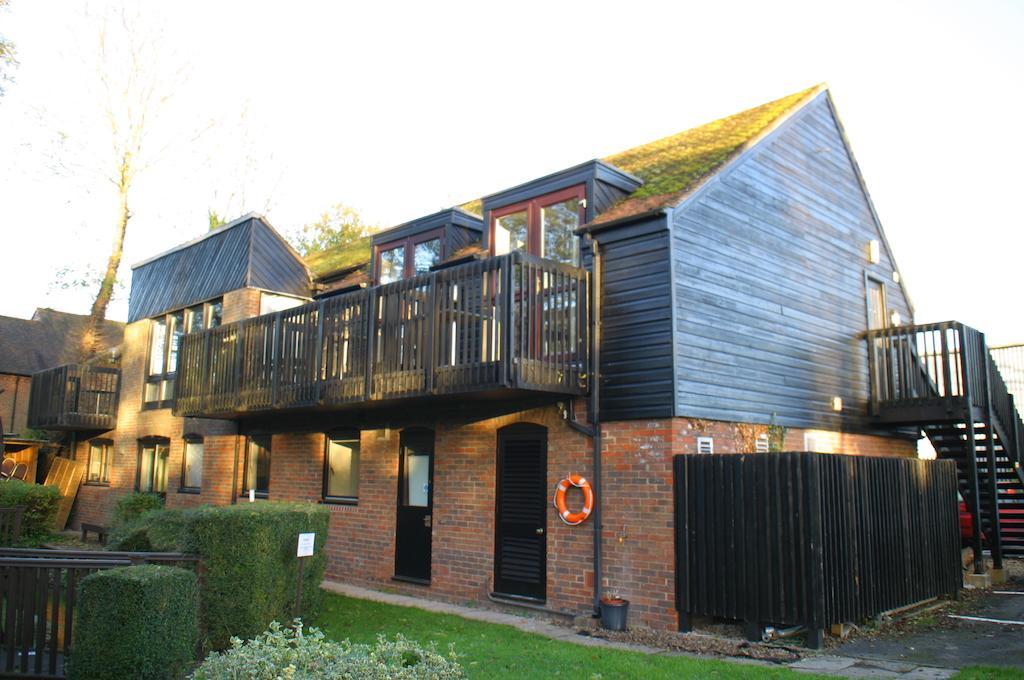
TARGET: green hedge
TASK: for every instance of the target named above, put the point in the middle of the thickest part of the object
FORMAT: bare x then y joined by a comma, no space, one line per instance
154,531
135,622
41,503
249,563
250,567
131,507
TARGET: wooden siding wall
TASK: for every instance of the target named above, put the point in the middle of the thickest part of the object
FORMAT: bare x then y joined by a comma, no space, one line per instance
245,255
606,195
273,267
770,262
636,348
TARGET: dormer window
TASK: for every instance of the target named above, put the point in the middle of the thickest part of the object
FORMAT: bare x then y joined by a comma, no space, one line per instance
544,226
397,260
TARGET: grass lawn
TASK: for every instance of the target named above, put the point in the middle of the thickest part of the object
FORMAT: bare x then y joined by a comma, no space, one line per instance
488,650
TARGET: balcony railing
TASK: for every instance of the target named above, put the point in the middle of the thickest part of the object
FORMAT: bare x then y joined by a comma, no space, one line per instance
74,397
513,322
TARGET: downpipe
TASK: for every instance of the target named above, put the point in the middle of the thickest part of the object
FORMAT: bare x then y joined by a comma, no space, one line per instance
593,431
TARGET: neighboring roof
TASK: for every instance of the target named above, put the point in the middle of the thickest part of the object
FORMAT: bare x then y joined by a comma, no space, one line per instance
50,338
245,253
673,166
339,258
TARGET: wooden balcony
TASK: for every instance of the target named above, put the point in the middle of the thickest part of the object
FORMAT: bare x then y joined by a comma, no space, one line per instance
928,372
74,397
504,326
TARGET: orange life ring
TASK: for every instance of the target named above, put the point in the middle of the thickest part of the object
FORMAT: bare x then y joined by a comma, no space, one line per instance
580,482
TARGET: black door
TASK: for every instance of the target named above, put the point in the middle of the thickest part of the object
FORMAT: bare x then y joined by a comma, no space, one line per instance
415,502
520,544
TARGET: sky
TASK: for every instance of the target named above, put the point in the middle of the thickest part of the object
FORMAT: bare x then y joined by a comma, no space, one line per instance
400,109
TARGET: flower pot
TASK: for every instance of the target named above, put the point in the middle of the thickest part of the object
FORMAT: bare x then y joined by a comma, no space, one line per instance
613,613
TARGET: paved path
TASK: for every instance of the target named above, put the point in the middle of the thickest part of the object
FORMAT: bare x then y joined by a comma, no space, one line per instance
969,643
816,663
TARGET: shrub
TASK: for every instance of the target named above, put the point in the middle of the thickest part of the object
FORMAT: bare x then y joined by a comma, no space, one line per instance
135,622
290,652
156,530
248,553
134,505
41,503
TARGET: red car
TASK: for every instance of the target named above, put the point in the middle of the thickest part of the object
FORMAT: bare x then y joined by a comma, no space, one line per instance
1011,518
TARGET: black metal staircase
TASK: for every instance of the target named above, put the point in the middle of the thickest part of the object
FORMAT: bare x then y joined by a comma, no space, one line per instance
942,379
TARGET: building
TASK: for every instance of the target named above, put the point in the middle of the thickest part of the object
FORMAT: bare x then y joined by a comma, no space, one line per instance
49,338
726,289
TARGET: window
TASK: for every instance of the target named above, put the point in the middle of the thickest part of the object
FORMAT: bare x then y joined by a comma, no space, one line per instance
761,443
256,475
165,344
192,464
270,303
705,445
397,260
341,467
151,474
98,471
876,304
544,226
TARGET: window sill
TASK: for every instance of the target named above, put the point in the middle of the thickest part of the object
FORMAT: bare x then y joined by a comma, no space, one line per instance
259,495
156,405
99,484
194,490
335,500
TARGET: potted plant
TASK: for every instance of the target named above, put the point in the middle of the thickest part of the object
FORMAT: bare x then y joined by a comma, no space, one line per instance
613,612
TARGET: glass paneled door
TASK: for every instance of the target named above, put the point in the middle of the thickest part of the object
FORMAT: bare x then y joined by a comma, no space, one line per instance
415,503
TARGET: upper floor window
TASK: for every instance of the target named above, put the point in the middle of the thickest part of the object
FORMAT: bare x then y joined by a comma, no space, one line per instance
98,471
401,259
164,345
151,473
544,226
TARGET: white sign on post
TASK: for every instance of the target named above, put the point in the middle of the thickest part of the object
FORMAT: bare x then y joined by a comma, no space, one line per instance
305,545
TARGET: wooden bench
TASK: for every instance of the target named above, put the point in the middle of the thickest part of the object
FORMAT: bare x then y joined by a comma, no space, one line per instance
99,530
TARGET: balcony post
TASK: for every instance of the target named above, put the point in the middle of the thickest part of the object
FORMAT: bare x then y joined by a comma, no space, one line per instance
371,336
428,350
973,498
318,358
508,279
995,538
275,359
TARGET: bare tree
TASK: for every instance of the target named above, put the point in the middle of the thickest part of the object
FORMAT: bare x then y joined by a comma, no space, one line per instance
7,55
134,88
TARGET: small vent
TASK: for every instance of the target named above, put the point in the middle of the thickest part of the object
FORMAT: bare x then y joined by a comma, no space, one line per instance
705,445
761,445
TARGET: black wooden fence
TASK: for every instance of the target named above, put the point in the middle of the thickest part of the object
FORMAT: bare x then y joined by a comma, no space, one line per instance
812,539
38,590
74,397
10,524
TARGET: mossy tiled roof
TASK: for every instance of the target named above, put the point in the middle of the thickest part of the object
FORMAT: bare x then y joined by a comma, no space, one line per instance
340,257
670,167
673,166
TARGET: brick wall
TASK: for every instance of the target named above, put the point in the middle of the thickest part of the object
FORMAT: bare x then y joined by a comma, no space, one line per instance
638,538
14,402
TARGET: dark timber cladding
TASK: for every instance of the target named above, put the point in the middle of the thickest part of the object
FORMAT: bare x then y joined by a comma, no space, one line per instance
243,253
770,261
636,320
